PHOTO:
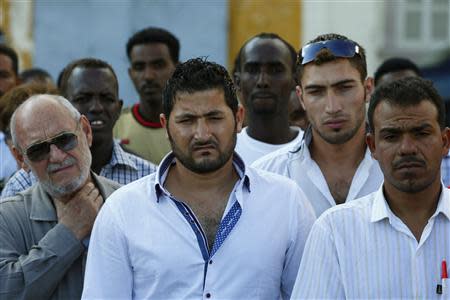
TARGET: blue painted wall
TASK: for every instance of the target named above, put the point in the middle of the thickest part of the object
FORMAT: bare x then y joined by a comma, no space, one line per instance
67,30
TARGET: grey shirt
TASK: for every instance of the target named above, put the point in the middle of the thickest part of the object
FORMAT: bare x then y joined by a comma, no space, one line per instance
39,258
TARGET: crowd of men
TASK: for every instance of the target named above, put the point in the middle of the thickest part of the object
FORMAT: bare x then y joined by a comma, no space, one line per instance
274,182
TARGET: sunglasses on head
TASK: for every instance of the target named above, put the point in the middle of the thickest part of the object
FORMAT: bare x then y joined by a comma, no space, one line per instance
339,48
65,141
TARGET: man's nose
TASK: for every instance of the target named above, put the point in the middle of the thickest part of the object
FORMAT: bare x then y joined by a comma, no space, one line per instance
56,155
149,73
96,105
407,145
202,130
263,79
333,103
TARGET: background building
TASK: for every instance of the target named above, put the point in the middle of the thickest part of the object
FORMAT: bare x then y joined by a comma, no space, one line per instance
49,34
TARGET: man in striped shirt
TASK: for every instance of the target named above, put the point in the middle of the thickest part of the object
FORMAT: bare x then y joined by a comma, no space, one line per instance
391,243
91,86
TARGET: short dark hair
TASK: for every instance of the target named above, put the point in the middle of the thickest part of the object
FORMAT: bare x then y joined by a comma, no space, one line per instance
395,64
195,75
264,35
12,54
155,35
406,92
358,60
32,73
85,63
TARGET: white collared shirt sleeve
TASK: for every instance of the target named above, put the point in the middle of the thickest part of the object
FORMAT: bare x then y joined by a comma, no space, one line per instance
108,271
319,275
301,225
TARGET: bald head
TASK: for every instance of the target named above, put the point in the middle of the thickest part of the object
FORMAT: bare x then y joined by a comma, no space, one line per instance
52,140
38,111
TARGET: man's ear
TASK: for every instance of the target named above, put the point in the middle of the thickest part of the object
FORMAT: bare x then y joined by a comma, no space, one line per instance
118,110
370,141
240,116
20,158
237,80
86,127
299,92
445,141
164,122
369,86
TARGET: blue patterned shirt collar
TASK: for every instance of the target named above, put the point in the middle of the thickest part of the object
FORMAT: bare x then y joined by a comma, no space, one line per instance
120,157
169,160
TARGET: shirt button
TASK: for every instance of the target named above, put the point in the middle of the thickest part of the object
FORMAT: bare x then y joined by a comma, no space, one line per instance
210,262
208,295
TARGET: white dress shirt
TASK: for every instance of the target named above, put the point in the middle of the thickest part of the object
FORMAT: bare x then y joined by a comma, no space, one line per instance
148,245
250,149
296,163
361,250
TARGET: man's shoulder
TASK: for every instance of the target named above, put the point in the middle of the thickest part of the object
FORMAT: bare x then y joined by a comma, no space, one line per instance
278,160
136,191
352,212
146,166
126,111
107,184
263,180
125,118
16,206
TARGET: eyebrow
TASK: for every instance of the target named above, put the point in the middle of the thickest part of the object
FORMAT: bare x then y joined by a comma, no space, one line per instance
191,115
398,129
340,82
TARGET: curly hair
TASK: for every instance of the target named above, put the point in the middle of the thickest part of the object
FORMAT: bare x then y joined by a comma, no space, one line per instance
195,75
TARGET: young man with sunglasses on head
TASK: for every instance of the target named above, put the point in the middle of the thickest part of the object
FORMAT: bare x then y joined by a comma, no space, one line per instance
332,164
44,231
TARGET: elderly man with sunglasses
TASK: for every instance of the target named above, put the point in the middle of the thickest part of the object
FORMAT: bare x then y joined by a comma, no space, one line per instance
44,231
332,164
91,86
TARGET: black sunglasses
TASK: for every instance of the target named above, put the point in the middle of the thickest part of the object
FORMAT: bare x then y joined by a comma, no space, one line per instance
339,48
65,141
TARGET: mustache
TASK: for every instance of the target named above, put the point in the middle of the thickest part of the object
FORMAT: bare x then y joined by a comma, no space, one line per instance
56,166
150,84
408,160
200,144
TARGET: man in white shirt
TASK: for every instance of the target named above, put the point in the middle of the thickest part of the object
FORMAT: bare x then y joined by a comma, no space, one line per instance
264,77
204,225
390,244
332,164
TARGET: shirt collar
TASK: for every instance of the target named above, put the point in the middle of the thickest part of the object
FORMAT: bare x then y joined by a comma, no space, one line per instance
120,157
169,160
42,208
381,210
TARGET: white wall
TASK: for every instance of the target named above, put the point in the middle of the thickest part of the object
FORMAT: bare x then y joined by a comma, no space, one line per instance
71,29
361,21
